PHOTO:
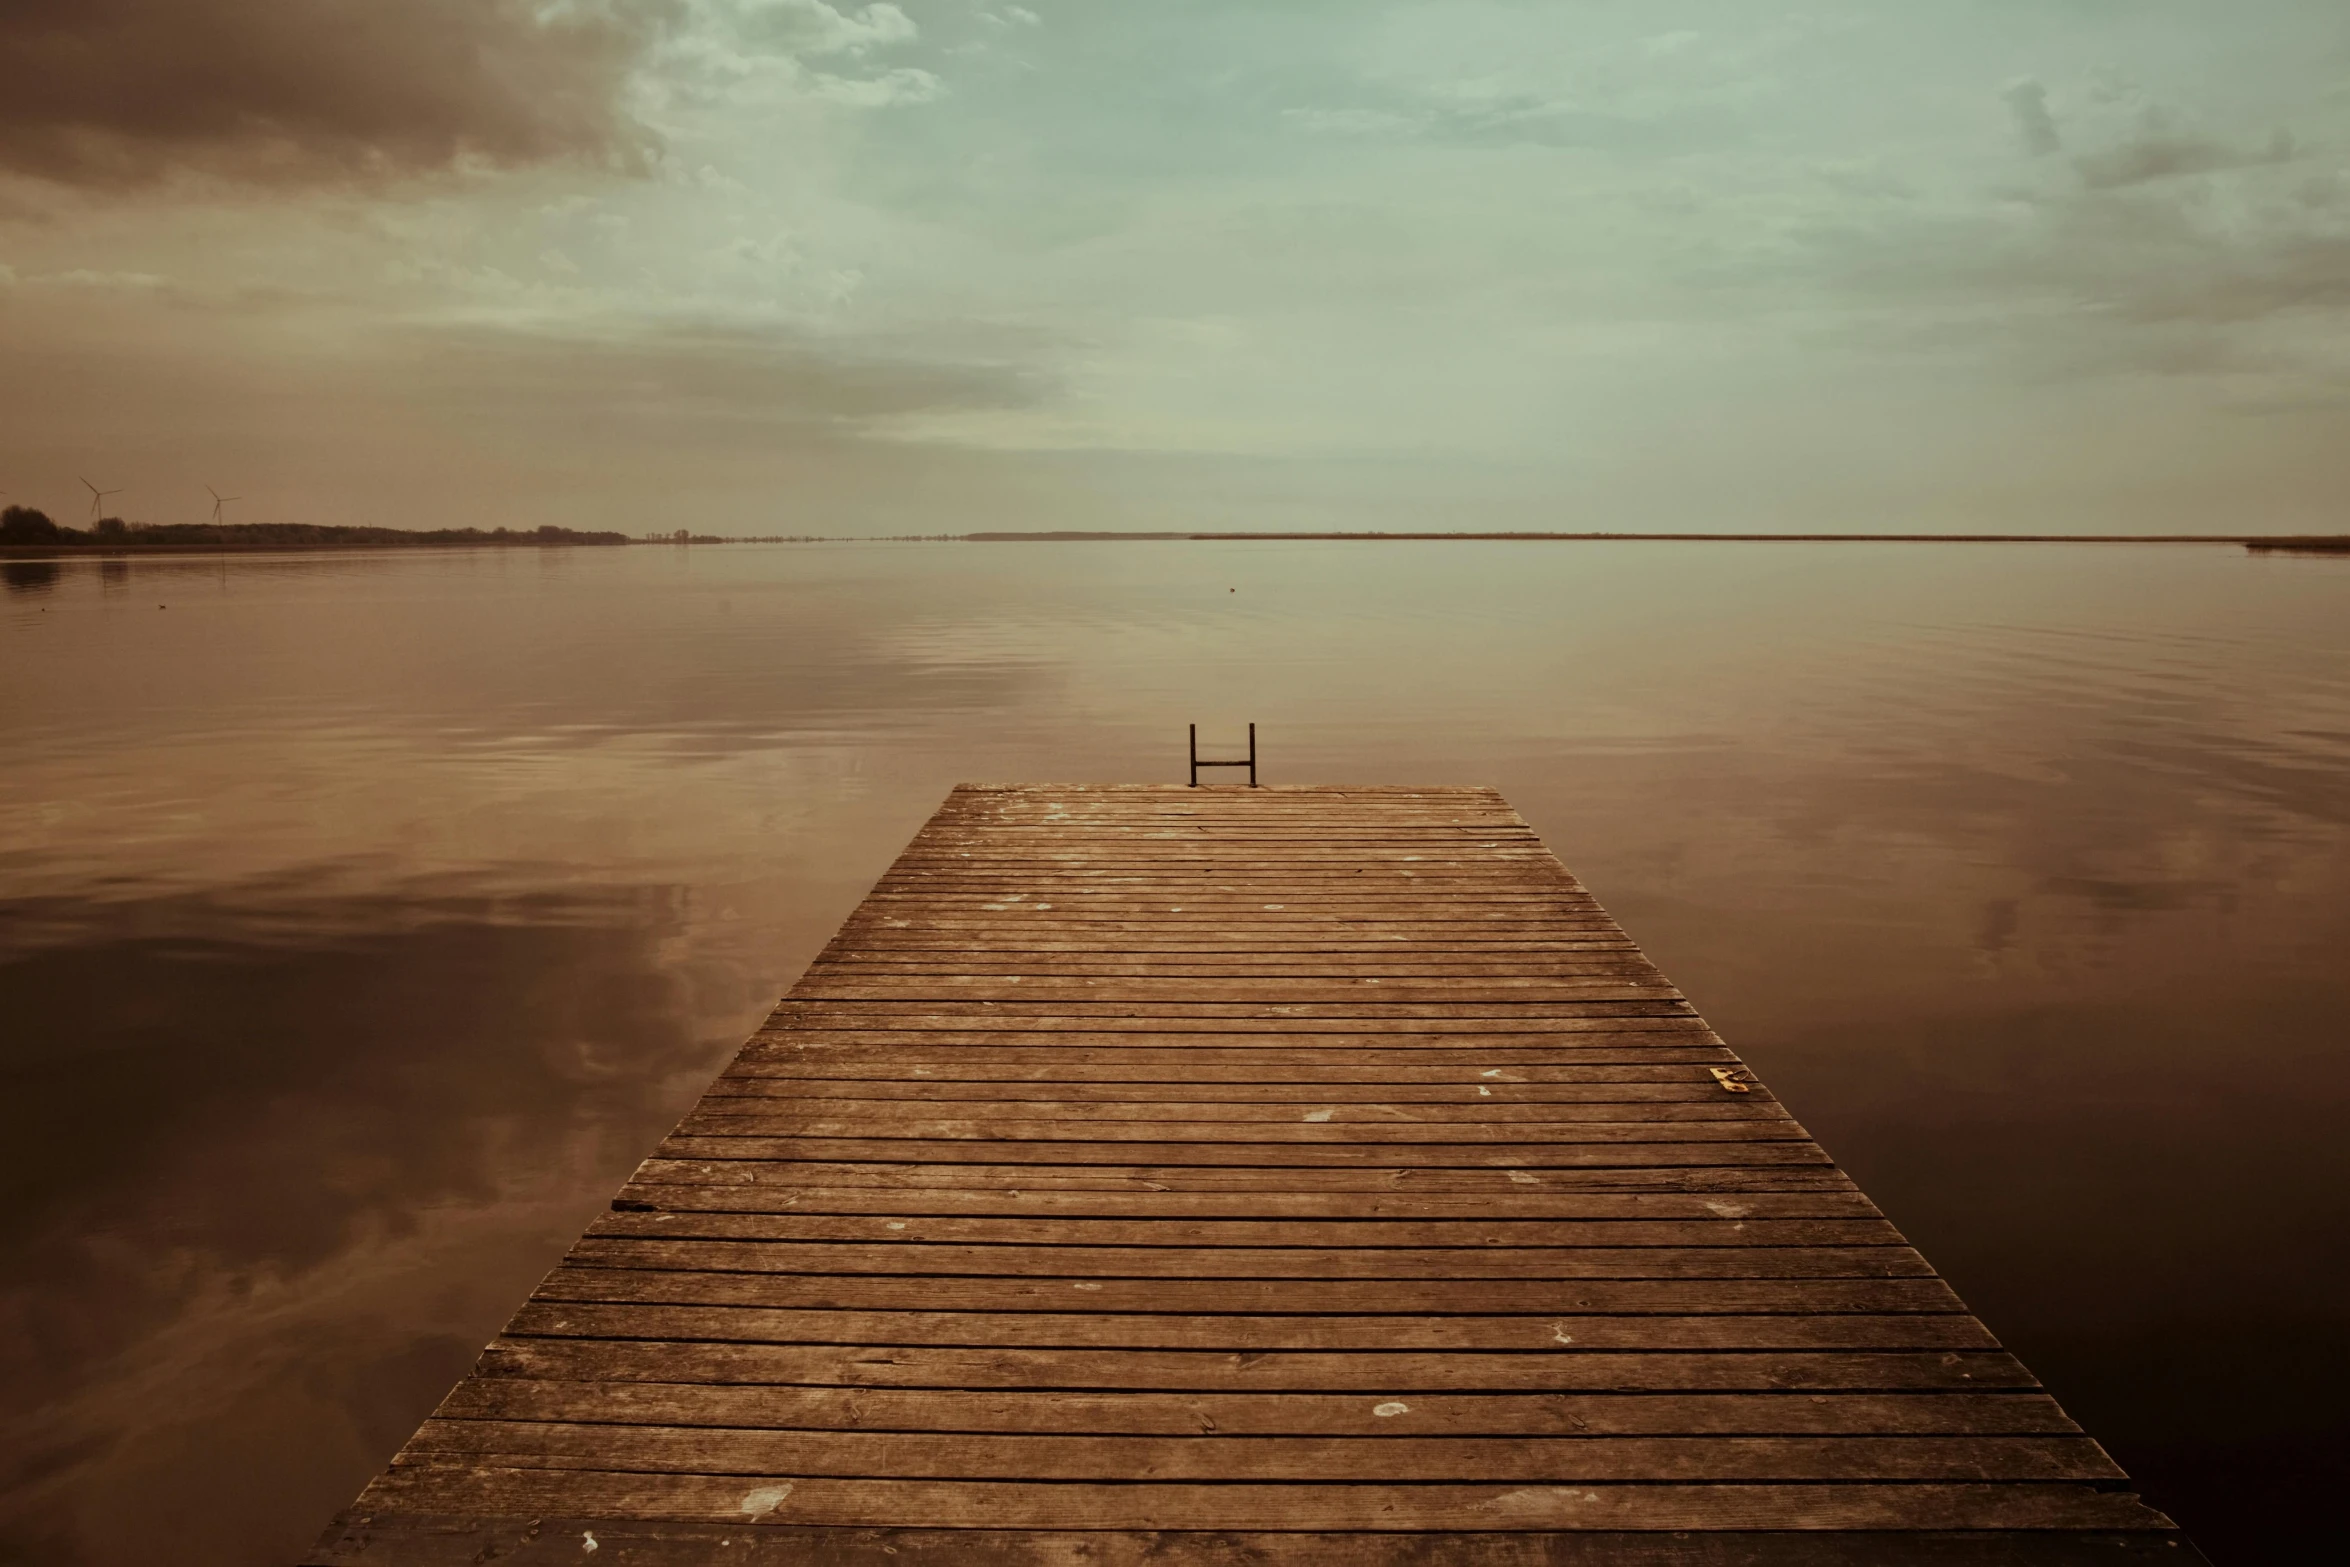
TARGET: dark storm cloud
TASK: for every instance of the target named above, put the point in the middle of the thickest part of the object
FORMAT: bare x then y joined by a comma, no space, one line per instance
128,91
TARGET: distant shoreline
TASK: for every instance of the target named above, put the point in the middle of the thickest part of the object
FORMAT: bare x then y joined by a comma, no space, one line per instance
2325,542
29,532
376,540
108,551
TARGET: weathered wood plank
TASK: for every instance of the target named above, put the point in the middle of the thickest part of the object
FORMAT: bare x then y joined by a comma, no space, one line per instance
580,1302
1682,1088
1386,1155
1216,1083
1259,1414
1020,1505
1203,1457
1616,1026
1048,1056
1743,1120
675,1187
1541,1017
420,1539
1471,1115
1249,1183
1385,1373
1033,993
1031,962
732,1301
1487,1232
985,1039
1199,1263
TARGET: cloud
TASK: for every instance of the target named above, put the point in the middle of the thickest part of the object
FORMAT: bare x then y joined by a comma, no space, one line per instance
2027,100
130,92
2280,274
2115,264
85,277
906,84
745,52
716,373
1353,122
1479,114
117,92
809,27
2161,154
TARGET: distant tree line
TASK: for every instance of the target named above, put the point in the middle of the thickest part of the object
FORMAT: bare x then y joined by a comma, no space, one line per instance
22,525
2301,544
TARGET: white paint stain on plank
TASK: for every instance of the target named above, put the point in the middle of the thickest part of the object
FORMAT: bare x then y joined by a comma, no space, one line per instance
762,1501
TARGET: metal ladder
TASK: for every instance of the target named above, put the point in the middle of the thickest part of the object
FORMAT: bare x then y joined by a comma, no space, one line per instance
1249,761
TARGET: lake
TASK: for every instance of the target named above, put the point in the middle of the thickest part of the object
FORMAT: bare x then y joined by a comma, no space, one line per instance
367,917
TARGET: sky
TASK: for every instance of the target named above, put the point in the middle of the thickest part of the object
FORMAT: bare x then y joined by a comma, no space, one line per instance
784,266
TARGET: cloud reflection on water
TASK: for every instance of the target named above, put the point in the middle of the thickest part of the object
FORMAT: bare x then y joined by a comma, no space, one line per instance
272,1157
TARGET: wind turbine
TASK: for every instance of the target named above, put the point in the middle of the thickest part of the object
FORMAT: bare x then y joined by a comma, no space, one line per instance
96,494
219,500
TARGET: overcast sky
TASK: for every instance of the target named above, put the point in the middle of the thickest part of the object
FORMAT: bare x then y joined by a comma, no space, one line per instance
781,266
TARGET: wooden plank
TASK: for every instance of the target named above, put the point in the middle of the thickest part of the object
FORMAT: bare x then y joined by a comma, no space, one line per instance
1037,992
1140,1171
622,1303
1486,1232
1051,1056
418,1539
1487,1182
1020,1505
1297,1108
1388,1154
778,1287
1195,1264
1370,936
1259,1414
1499,1191
1741,1119
1666,1088
1387,1374
1046,966
1028,1014
1684,1086
1617,1028
686,1187
1202,1457
1576,1041
1288,952
992,1059
992,1033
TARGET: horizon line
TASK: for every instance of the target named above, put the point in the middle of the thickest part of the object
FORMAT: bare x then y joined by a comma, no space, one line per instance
1506,535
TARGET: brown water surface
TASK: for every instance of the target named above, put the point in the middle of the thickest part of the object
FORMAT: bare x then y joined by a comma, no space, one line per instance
366,918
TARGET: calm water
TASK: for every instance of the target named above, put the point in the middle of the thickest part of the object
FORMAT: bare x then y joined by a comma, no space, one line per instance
366,918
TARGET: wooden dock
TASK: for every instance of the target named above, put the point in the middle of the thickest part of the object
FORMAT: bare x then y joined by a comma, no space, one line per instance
1269,1176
